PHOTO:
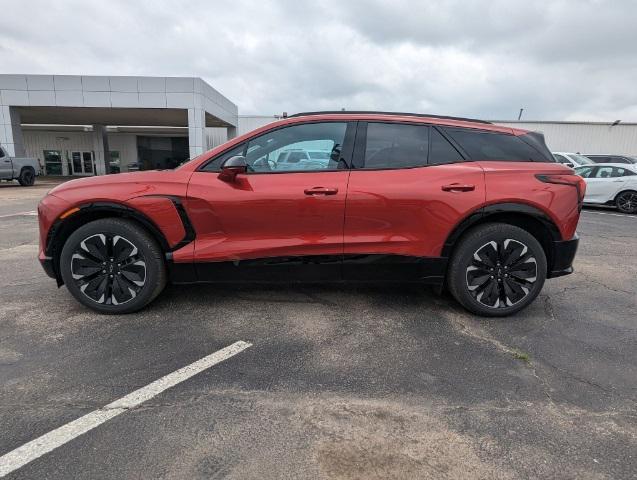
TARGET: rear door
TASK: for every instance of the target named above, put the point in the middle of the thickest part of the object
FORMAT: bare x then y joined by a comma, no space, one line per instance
604,183
281,214
408,188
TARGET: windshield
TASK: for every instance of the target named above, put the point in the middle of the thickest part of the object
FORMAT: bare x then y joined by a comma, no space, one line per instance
581,159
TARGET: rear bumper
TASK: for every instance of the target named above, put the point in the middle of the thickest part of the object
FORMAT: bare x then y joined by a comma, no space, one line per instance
563,253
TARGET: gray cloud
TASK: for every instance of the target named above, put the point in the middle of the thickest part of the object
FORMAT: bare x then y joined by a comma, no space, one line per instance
564,59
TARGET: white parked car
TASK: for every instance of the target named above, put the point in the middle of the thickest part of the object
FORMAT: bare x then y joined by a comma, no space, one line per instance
609,158
572,159
611,184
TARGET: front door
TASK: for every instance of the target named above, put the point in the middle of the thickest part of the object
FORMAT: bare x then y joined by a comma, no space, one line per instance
286,213
6,168
82,163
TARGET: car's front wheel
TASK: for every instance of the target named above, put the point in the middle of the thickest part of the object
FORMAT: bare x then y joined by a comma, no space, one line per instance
113,266
497,270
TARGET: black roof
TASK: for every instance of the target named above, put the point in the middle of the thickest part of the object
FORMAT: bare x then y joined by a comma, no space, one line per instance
363,112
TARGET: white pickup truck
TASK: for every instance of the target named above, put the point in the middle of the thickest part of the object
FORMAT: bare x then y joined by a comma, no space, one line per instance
22,169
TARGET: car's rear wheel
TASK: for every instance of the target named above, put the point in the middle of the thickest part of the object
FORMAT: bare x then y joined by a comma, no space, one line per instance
627,202
497,270
26,177
113,266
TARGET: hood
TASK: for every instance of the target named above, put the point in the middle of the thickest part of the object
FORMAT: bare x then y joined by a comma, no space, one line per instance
143,177
120,187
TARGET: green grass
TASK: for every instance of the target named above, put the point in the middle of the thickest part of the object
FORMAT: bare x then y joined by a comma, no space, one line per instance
521,356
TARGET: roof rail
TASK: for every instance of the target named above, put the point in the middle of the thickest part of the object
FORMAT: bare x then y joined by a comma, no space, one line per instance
362,112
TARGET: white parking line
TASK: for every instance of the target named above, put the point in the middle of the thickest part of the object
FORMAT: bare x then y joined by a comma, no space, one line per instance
612,214
31,213
58,437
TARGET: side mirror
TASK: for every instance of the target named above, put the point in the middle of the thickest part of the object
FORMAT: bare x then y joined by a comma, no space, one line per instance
233,167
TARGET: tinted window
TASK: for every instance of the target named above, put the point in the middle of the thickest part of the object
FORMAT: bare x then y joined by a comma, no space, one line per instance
561,158
1,153
585,172
215,164
628,173
619,160
581,159
605,159
495,146
305,148
394,145
441,151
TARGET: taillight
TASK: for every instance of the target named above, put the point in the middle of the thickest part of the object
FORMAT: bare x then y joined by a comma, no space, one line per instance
571,180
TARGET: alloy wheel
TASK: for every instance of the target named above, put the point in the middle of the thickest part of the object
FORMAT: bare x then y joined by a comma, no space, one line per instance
108,269
627,202
501,273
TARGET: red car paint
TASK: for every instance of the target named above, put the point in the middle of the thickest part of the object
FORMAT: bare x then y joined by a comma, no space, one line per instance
411,211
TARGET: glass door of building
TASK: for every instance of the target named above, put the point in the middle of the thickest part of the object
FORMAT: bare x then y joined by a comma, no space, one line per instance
82,163
53,162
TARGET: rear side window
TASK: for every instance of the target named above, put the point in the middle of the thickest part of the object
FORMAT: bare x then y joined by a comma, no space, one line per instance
495,146
619,159
610,172
441,151
395,145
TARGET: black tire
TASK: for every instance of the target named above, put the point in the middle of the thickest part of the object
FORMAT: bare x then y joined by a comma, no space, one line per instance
500,280
27,177
626,202
113,266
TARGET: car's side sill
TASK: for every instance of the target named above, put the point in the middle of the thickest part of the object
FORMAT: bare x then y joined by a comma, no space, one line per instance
355,268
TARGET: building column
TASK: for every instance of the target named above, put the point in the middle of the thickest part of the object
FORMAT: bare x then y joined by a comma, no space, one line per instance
196,131
100,149
11,131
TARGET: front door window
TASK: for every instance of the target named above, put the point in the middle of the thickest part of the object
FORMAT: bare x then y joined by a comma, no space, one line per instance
310,147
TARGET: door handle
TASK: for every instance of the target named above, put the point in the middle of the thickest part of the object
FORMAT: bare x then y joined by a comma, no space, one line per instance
321,191
457,187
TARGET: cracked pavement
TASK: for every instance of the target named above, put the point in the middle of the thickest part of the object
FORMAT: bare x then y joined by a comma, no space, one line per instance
341,382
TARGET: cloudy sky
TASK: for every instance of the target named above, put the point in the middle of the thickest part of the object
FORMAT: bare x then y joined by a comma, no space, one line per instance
559,59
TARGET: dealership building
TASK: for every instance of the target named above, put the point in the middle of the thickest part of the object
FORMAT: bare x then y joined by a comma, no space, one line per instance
92,125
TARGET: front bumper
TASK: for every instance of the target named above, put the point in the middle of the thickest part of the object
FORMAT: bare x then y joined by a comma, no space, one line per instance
47,265
562,255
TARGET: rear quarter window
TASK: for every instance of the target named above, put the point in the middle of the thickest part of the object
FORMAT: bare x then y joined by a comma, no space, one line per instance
481,145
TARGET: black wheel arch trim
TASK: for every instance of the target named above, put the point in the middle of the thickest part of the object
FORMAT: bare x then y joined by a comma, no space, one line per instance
498,208
59,227
550,245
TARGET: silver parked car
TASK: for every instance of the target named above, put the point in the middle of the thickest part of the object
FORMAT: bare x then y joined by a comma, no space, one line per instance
572,159
22,169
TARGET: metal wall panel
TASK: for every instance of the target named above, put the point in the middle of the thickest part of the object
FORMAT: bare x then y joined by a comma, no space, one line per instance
584,137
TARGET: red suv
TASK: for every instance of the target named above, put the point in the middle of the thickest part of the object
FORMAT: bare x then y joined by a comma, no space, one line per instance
332,196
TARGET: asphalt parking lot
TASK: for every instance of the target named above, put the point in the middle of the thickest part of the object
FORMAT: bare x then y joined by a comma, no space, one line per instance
339,382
